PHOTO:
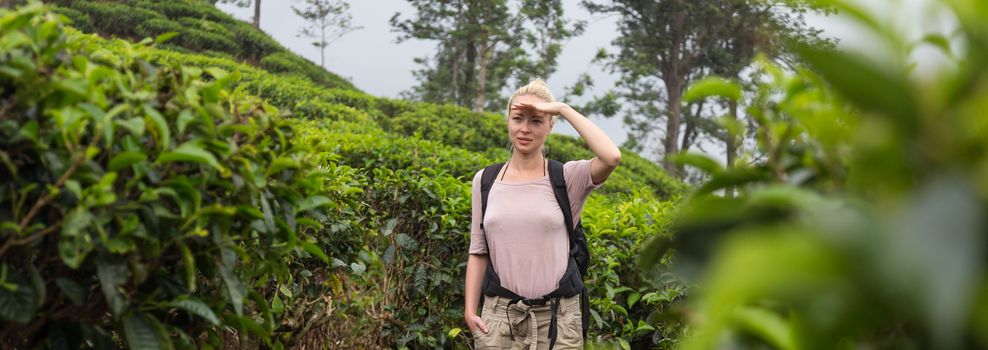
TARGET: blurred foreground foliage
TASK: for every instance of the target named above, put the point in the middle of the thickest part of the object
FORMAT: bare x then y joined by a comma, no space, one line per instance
860,220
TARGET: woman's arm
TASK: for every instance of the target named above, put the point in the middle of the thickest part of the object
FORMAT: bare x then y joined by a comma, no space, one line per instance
476,266
608,155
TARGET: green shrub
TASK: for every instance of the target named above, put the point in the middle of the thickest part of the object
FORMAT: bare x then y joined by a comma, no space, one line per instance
157,26
78,19
253,44
113,18
134,196
175,9
200,40
288,63
206,25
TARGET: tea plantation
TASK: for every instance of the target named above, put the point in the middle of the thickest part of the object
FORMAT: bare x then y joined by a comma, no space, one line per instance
211,189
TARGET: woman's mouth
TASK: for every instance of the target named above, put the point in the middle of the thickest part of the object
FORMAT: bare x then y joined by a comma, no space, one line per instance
524,141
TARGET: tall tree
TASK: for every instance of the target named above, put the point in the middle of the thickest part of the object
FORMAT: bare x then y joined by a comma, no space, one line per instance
328,20
246,3
664,44
472,36
544,30
482,46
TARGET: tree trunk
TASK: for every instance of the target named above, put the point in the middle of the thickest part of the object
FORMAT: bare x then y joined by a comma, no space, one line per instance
485,49
732,145
690,119
257,14
322,47
674,75
455,72
674,87
471,51
455,69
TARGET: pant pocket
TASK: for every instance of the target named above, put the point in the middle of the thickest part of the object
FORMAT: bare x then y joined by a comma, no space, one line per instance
570,334
491,339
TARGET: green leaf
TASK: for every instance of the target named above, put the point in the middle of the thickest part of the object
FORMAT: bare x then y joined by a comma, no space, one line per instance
314,250
713,86
863,83
235,290
72,290
188,266
406,242
162,132
939,41
737,176
313,202
29,131
198,308
454,332
75,243
111,276
126,159
699,161
633,299
624,344
134,125
140,334
190,152
389,227
279,164
277,306
421,279
358,268
161,39
767,325
18,300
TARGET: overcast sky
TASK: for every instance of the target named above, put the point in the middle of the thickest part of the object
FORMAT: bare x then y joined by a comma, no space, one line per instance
372,60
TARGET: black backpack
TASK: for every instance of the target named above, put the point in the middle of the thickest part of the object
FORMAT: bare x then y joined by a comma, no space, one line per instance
579,255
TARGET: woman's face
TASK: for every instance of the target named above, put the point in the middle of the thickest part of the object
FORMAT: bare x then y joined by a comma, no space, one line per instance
528,129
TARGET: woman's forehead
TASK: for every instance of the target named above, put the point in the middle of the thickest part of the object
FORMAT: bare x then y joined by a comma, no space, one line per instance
529,114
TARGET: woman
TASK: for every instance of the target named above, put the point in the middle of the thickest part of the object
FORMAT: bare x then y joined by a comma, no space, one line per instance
523,230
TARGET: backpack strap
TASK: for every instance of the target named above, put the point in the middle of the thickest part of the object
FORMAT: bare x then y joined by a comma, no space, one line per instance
562,197
486,182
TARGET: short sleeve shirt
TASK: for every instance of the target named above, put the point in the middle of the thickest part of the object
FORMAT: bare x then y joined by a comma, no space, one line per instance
525,230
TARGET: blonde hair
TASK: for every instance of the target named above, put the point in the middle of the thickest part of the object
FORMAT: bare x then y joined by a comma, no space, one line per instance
537,88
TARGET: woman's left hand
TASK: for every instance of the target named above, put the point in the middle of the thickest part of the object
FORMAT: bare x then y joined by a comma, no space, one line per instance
550,108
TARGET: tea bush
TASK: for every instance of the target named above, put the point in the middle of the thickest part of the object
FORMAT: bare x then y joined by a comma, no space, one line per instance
201,27
135,193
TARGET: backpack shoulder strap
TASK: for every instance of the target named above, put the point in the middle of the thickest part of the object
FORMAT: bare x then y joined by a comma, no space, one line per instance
486,182
562,197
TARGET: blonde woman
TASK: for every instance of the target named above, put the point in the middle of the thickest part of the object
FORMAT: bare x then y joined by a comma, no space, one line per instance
521,265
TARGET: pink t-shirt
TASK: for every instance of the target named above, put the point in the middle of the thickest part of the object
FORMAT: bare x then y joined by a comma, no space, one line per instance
526,231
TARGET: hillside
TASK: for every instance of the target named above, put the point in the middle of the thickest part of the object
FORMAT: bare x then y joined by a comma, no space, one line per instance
306,211
201,29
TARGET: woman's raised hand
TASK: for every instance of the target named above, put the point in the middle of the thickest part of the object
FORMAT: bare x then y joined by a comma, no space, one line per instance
550,108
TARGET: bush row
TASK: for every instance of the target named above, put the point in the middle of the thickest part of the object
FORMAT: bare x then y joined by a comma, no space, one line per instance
134,197
201,27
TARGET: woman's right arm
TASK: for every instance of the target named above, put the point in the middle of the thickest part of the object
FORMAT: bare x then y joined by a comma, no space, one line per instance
476,266
476,262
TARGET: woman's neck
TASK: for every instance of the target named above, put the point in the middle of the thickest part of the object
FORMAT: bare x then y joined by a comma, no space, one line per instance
532,162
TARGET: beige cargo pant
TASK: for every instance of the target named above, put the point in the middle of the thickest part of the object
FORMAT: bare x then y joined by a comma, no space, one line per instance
530,325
